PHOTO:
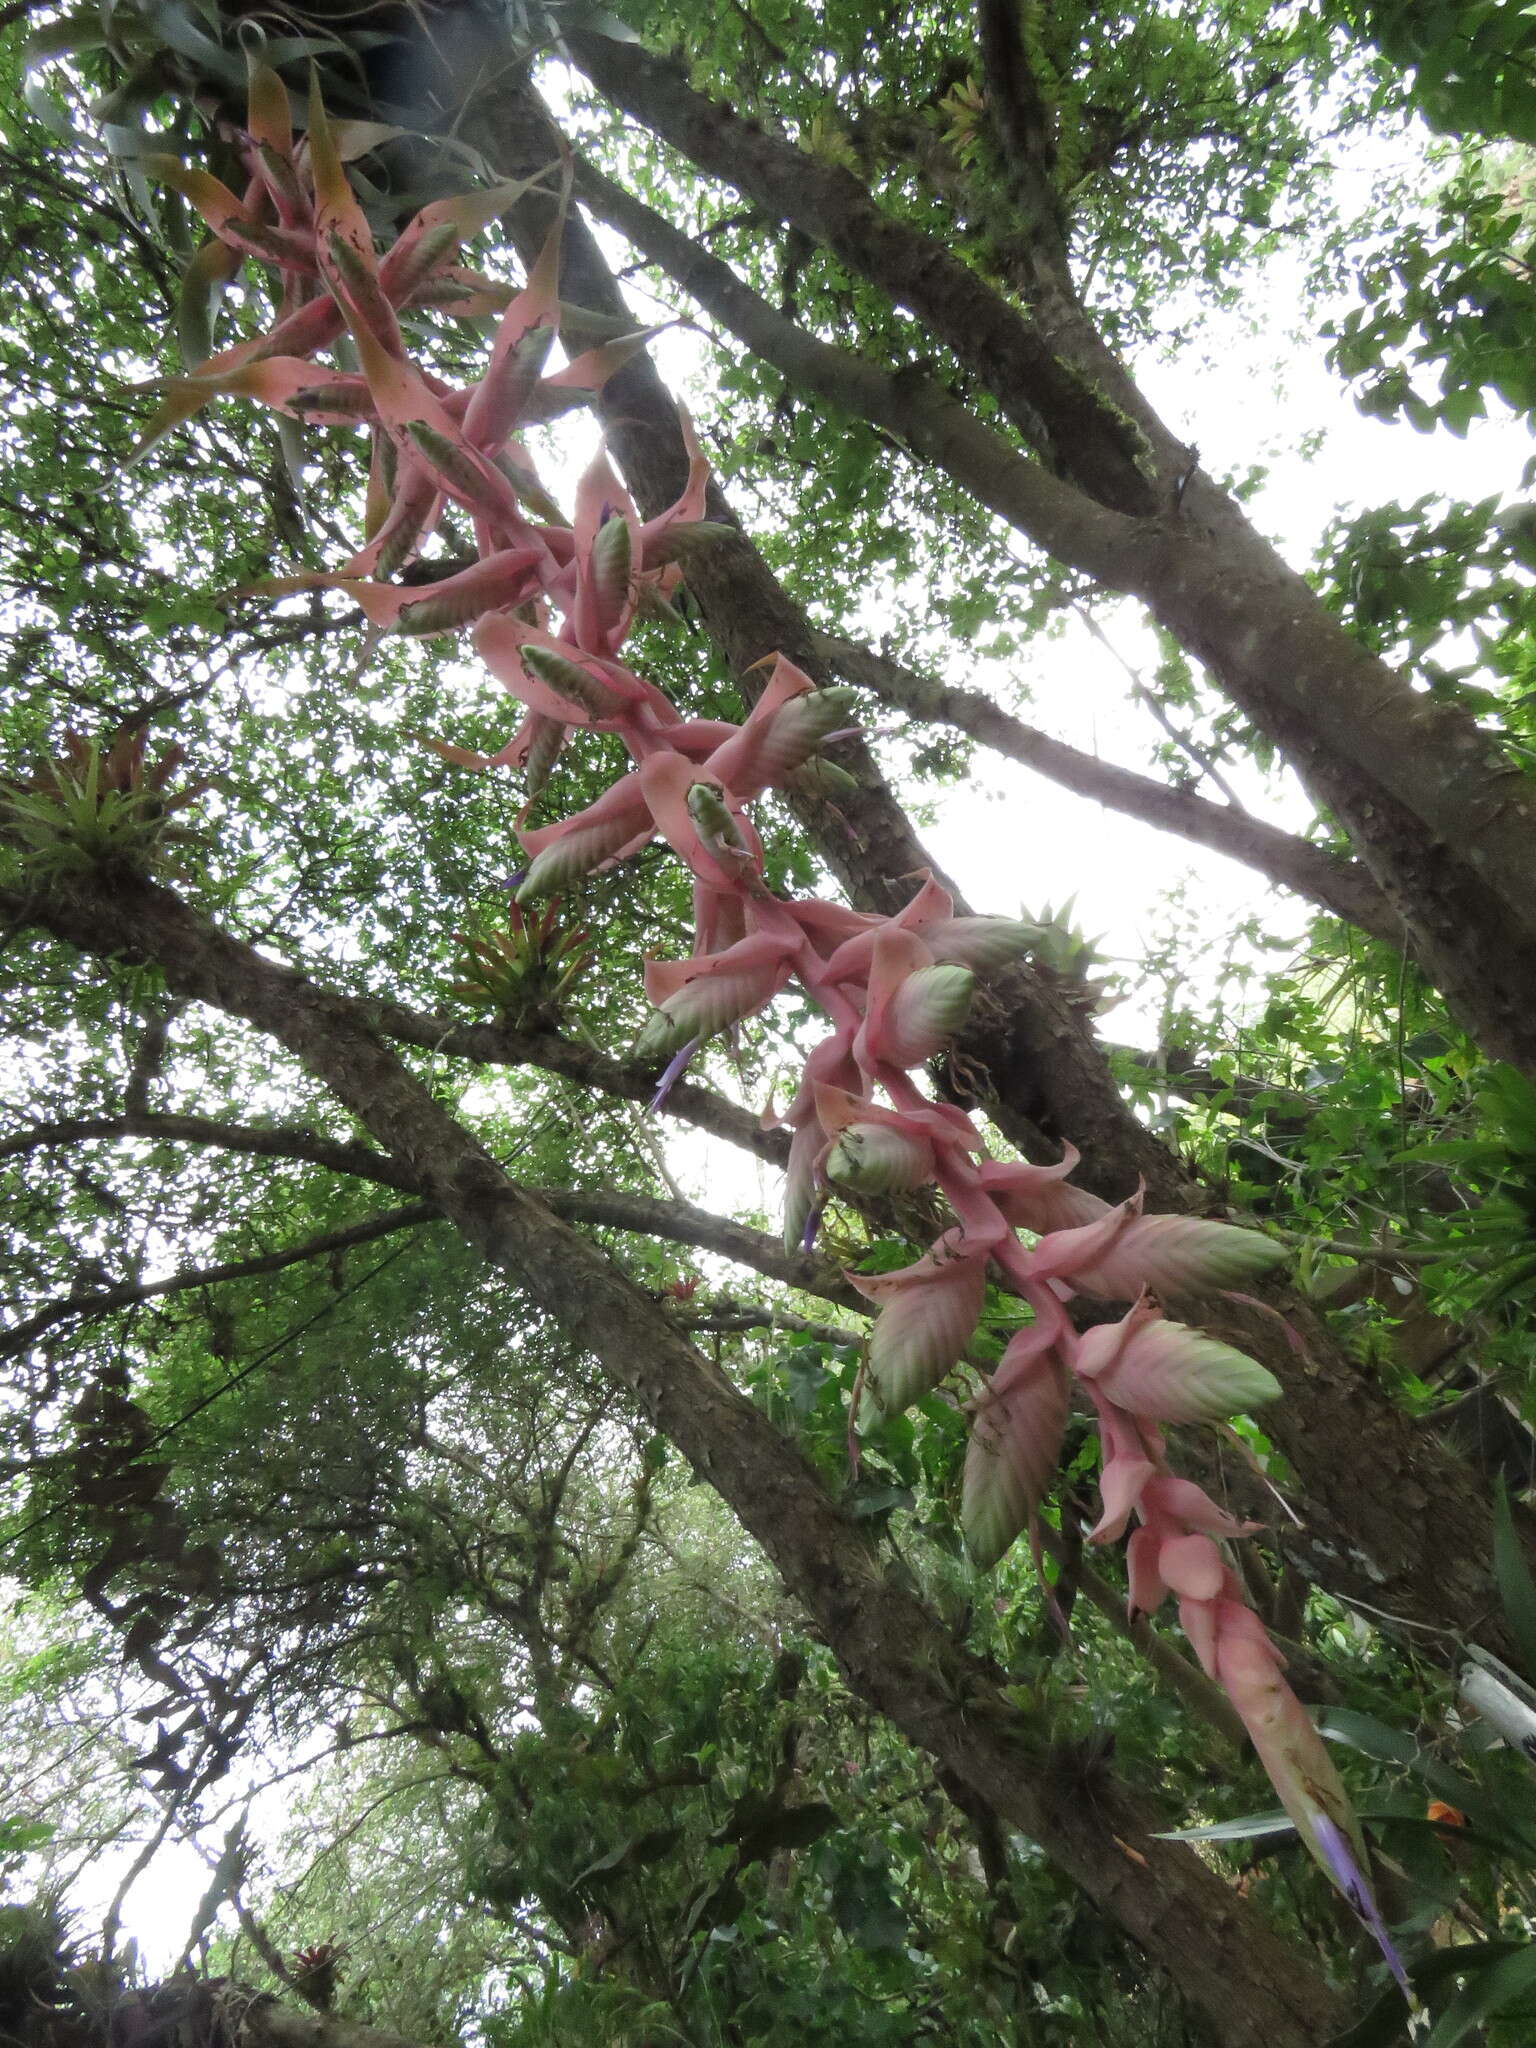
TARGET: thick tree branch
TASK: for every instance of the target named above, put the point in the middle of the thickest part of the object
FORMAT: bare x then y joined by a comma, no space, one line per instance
893,1650
1046,399
905,403
1025,127
1342,887
1445,822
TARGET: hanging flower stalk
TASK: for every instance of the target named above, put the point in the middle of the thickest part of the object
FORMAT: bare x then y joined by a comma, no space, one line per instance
549,606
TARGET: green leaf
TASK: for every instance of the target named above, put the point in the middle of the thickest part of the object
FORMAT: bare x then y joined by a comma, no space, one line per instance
634,1854
1517,1589
1249,1828
1386,2021
1494,1988
197,305
1390,1745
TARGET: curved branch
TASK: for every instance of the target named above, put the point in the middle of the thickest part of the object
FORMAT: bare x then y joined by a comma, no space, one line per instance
500,1045
104,1301
607,1209
259,1141
1340,886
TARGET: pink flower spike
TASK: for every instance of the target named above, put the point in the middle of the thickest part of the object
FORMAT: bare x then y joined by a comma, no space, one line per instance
1063,1254
1037,1197
981,943
668,780
928,1314
1180,1500
1121,1484
915,1019
617,824
941,1123
1177,1255
1011,1458
800,1198
1171,1373
684,512
830,1063
1147,1588
1292,1752
1191,1566
697,997
874,1159
855,959
607,547
1125,1471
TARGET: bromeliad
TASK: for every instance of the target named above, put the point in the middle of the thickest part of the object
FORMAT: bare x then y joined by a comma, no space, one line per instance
549,606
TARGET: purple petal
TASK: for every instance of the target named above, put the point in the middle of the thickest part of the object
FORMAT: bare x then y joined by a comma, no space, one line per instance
1351,1881
674,1072
812,1225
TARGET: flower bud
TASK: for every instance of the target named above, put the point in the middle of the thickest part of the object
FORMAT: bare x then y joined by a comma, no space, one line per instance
924,1014
929,1312
873,1159
1175,1255
1170,1373
568,679
981,943
1011,1458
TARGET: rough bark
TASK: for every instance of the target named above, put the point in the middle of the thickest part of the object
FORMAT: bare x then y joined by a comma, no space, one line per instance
894,1652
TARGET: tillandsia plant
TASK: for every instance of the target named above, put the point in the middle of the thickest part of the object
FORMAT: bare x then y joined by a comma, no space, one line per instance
95,807
549,606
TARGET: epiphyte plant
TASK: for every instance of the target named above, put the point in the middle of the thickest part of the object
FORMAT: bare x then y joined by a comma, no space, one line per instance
549,606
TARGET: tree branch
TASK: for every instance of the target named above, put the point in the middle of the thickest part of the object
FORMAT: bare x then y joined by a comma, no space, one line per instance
1055,408
259,1141
103,1301
607,1209
1024,125
907,404
1342,887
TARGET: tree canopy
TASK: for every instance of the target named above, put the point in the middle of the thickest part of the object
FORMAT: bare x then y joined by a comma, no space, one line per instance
583,1331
